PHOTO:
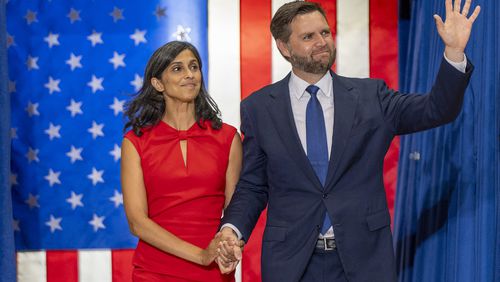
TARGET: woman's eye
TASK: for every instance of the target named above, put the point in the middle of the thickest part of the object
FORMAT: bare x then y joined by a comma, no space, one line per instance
195,67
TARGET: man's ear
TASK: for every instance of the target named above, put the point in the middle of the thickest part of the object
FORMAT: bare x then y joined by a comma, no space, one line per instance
283,48
157,84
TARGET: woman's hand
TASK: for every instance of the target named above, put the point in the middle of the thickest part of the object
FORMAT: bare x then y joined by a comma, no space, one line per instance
230,254
209,254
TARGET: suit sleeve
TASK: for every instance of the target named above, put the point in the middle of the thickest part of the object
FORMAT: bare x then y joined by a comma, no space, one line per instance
408,113
251,194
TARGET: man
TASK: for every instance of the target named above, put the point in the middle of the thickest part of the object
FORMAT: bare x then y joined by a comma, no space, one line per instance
314,147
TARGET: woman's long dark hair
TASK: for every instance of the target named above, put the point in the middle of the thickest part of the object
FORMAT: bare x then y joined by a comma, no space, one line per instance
148,105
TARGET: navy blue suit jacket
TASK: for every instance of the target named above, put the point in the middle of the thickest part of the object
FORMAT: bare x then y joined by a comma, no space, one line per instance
277,173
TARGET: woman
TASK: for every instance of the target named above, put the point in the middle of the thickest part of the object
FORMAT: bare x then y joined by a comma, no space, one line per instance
179,167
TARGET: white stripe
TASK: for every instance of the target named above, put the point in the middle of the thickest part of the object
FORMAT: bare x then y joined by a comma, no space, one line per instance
353,38
224,82
280,66
94,265
31,267
224,58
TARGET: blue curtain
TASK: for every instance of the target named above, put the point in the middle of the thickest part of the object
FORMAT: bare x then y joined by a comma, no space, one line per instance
7,258
447,222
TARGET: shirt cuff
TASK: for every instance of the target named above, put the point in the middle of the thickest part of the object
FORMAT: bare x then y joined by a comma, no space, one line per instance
234,229
459,66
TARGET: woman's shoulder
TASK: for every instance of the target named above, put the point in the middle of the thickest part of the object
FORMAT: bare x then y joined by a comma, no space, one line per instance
228,127
142,132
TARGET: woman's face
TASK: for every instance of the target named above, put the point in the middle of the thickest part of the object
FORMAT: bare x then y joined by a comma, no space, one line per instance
181,80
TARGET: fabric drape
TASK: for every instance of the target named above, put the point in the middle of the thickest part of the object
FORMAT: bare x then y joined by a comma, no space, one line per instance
447,208
7,257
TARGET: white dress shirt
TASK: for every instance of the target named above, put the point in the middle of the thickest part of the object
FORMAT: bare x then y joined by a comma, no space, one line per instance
299,98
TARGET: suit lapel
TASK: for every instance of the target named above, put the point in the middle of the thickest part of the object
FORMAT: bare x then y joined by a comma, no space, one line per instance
345,101
280,110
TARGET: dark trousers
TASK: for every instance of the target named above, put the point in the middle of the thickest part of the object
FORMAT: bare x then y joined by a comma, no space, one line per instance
324,266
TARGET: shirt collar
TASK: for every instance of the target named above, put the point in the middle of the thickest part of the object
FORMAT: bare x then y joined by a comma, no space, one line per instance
298,85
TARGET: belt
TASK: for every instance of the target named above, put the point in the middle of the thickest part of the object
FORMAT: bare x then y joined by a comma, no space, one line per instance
326,244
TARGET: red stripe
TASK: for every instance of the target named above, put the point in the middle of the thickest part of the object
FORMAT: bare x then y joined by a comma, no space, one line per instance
256,60
255,42
62,266
330,8
384,64
122,265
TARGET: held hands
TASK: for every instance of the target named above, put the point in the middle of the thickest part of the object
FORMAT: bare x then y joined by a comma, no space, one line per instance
456,29
229,251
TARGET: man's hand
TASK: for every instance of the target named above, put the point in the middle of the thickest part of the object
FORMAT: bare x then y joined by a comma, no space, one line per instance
229,250
456,29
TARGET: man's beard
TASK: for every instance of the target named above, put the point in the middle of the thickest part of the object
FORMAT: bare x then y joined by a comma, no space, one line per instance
310,65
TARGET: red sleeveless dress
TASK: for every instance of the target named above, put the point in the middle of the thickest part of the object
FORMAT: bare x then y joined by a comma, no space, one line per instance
187,200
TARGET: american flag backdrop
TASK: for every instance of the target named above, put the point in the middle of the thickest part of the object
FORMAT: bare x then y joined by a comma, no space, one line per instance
73,64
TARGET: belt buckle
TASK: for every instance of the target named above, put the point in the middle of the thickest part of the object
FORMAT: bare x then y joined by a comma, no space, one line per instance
327,248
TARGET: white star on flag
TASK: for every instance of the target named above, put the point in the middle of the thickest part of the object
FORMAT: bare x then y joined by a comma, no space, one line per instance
96,176
74,15
96,129
182,33
75,108
97,222
74,61
116,152
10,41
13,179
137,82
54,223
30,17
117,199
75,200
53,131
32,63
52,39
117,14
75,154
117,106
13,133
11,86
32,155
139,37
160,12
117,60
53,85
32,201
96,84
32,109
95,38
53,177
15,225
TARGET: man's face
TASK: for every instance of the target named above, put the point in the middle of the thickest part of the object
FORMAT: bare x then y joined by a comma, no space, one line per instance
310,47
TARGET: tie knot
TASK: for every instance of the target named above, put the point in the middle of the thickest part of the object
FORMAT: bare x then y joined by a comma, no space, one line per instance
312,89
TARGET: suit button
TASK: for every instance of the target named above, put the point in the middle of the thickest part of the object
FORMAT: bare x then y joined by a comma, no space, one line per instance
325,196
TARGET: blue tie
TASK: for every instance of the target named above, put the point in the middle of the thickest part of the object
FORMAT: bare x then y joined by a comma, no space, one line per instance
317,148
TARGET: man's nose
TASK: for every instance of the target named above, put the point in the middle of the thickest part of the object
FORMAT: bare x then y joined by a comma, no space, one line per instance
320,40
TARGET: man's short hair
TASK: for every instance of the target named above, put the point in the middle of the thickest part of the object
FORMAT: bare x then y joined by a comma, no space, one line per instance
280,24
